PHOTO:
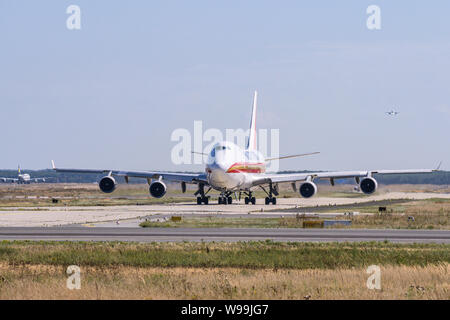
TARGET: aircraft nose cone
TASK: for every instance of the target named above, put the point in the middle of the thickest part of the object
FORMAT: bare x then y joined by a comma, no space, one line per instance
218,166
217,175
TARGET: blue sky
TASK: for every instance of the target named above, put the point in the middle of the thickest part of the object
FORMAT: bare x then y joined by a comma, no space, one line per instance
110,95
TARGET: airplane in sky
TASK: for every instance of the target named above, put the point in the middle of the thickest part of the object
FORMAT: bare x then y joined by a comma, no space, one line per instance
392,113
232,170
23,178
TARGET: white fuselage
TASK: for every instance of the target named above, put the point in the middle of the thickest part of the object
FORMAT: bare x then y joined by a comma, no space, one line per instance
230,168
24,178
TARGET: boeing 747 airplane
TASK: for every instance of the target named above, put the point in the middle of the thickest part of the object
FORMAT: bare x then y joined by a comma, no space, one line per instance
230,169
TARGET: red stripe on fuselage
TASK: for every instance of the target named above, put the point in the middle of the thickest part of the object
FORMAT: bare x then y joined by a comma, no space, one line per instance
247,168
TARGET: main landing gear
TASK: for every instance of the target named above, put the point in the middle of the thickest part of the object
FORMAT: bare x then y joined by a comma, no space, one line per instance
225,197
270,198
201,191
201,200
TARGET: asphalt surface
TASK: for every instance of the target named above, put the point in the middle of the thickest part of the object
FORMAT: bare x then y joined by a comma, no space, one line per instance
220,234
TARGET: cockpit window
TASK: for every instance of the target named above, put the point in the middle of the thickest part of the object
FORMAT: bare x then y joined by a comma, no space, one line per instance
219,148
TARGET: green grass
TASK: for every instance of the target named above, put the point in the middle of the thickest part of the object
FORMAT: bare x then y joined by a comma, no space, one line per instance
394,220
227,222
257,255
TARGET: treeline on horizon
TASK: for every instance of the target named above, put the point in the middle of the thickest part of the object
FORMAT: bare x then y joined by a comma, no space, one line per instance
438,178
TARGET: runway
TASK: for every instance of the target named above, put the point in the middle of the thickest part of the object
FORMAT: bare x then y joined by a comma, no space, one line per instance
220,234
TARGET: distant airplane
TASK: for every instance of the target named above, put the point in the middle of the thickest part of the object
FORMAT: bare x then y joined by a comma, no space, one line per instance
23,178
231,169
392,113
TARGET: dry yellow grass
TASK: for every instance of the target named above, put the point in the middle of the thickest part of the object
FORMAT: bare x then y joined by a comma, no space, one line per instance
49,282
428,214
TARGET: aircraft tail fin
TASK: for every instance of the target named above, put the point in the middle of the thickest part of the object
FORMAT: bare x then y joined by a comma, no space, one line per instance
18,169
251,145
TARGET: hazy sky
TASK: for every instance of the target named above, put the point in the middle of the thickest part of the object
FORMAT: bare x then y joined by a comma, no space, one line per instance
110,95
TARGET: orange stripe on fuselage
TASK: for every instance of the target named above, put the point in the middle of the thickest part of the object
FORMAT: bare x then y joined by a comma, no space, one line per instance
247,168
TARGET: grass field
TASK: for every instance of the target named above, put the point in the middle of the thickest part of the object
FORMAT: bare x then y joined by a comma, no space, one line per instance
253,255
49,282
256,270
428,214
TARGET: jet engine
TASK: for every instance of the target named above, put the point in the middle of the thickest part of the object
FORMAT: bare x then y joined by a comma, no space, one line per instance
158,189
107,184
368,185
308,189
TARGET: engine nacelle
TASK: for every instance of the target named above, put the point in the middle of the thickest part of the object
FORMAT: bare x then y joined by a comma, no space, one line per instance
308,189
107,184
158,189
368,185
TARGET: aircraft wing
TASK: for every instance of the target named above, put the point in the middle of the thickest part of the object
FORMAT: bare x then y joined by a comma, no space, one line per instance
193,178
8,179
294,177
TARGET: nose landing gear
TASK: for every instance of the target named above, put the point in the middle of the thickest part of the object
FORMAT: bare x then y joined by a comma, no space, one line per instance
225,198
250,199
